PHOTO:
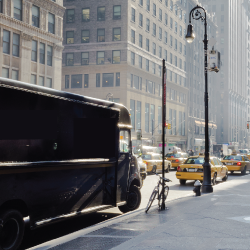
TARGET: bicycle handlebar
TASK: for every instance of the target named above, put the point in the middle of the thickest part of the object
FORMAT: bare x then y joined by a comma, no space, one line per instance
165,179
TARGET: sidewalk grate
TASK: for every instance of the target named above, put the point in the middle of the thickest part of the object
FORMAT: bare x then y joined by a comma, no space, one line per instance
90,243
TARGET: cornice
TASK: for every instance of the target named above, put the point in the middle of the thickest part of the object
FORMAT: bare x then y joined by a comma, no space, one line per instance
50,6
31,28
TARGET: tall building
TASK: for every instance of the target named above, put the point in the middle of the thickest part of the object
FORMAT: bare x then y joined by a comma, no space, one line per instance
232,82
31,41
114,50
196,84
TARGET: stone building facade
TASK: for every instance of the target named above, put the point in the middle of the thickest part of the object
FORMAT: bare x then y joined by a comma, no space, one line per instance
31,41
114,50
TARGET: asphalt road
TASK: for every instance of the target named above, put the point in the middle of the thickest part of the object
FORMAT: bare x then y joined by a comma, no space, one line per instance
50,232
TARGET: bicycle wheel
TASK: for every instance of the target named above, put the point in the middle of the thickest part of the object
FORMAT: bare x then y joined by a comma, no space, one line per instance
151,199
162,198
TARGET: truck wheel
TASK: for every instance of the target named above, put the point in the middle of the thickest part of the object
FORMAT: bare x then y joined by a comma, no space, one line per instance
11,233
133,200
182,182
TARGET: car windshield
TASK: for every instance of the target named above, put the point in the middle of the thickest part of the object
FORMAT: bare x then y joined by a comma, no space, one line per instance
198,160
233,157
146,157
243,151
173,155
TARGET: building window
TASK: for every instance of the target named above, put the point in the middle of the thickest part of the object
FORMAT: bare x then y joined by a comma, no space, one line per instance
150,87
117,79
132,14
175,27
147,65
34,51
141,20
18,9
117,12
51,23
147,117
1,6
141,2
166,19
160,51
140,62
35,16
138,115
175,44
85,58
69,59
152,117
166,55
49,55
132,36
98,80
160,14
132,113
147,44
6,42
86,80
166,37
116,34
153,67
154,29
171,41
49,82
101,14
180,47
76,81
5,72
136,82
66,81
154,9
85,36
41,81
16,44
180,30
175,61
100,35
132,58
100,57
42,53
148,5
147,25
140,40
107,80
85,15
171,58
116,56
171,23
70,16
160,33
33,79
69,37
154,48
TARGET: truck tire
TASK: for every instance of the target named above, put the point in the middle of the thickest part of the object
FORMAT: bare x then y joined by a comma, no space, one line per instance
182,182
133,200
11,234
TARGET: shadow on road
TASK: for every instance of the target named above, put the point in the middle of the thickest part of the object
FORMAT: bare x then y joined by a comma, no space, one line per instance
53,231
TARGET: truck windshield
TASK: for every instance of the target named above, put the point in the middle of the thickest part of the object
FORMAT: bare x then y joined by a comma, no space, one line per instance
233,157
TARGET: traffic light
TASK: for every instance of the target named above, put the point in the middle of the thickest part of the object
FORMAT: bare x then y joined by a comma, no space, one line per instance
248,126
166,125
169,126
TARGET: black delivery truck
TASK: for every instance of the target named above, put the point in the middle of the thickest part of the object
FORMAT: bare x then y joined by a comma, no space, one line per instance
61,155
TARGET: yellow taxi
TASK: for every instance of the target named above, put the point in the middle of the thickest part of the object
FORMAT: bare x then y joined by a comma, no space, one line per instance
192,169
176,158
154,163
237,162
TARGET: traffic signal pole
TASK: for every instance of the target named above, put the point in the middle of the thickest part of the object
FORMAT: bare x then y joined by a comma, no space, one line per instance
163,129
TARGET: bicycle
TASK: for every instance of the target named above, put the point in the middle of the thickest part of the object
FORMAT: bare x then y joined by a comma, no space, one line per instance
158,191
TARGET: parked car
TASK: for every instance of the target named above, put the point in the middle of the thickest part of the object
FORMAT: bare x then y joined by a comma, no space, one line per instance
237,162
177,158
192,169
154,163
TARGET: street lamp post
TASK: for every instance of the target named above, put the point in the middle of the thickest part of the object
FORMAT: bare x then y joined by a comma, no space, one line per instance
196,14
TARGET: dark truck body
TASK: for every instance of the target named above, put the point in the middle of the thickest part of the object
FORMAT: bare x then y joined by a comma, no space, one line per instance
59,153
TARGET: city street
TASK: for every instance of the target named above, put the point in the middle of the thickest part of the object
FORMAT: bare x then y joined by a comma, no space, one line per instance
47,233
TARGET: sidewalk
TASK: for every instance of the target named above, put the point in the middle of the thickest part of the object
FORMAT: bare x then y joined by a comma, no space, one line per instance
220,220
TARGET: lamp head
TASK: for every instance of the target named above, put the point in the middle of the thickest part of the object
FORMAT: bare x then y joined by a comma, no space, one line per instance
190,34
